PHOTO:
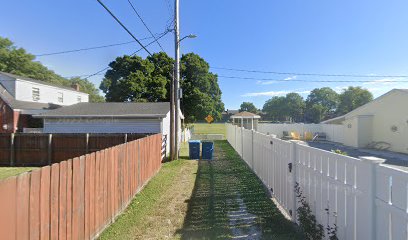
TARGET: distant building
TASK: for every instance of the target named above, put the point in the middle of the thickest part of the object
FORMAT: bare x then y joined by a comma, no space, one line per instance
110,117
246,120
382,122
226,115
21,97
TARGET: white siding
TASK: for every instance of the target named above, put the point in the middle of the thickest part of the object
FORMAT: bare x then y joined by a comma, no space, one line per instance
102,126
166,130
48,94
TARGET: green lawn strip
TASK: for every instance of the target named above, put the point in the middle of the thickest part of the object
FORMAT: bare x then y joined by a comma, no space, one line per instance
6,172
136,221
205,128
221,187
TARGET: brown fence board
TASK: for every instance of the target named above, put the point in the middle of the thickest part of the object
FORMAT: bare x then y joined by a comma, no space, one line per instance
35,219
69,199
8,207
45,202
76,199
23,209
63,200
54,201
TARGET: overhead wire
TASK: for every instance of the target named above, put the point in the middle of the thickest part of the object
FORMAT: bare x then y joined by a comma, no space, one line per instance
144,23
311,74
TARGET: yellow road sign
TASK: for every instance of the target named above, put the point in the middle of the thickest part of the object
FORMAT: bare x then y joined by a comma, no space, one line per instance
209,119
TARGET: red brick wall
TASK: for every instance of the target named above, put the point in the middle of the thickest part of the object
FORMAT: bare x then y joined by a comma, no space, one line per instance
7,117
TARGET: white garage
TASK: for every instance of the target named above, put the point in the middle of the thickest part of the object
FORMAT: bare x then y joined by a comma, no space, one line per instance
108,118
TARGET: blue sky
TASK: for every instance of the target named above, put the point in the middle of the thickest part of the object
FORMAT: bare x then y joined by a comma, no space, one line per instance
338,36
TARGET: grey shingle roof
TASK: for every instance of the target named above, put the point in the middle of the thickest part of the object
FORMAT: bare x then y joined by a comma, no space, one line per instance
38,81
110,109
23,105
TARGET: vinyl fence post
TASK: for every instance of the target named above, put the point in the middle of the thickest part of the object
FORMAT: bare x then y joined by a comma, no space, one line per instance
253,155
242,142
293,161
371,215
49,149
235,137
12,151
126,138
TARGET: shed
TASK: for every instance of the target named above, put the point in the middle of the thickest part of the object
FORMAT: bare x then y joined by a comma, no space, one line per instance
383,121
247,120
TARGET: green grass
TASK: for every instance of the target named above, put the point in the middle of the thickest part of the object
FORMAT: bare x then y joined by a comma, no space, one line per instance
159,209
6,172
223,188
205,128
199,200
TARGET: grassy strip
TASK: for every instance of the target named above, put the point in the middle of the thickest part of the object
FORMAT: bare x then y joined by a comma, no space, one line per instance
6,172
158,210
229,201
205,128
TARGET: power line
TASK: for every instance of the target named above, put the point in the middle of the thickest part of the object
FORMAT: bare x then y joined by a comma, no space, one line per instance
90,48
134,53
123,26
312,74
304,80
144,23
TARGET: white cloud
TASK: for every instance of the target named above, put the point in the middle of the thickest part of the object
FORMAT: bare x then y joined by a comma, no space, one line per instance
384,81
273,93
268,82
290,78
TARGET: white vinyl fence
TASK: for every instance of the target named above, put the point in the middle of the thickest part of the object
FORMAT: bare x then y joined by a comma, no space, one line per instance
365,199
334,133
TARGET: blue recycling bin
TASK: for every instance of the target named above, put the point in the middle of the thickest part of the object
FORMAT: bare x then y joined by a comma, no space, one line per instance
208,150
194,149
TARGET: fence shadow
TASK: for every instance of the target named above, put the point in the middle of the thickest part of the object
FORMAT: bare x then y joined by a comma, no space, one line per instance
229,202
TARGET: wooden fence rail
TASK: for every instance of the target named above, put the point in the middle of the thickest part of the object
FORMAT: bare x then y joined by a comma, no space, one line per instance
24,149
77,198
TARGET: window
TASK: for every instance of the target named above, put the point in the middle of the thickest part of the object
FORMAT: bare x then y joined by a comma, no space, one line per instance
60,97
36,94
79,99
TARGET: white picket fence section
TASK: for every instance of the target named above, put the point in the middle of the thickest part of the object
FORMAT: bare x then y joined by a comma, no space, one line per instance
365,199
334,133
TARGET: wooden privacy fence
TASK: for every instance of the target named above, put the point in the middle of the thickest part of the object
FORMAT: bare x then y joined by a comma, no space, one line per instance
28,149
77,198
362,197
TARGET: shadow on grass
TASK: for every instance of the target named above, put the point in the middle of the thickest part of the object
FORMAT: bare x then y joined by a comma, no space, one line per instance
229,202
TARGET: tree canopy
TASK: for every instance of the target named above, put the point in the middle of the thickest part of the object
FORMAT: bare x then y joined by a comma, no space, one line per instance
132,78
248,107
352,98
17,61
321,104
287,108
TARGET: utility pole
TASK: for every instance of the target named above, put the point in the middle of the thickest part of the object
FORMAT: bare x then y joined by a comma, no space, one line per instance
177,77
171,137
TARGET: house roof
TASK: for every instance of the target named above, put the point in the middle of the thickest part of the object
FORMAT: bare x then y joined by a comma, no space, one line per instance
245,115
23,105
339,119
38,81
110,109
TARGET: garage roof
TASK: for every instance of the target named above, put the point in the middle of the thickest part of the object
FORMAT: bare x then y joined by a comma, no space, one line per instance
110,109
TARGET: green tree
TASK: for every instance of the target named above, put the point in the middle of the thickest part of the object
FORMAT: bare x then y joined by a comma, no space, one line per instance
17,61
275,109
295,106
132,78
248,107
288,108
352,98
321,104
